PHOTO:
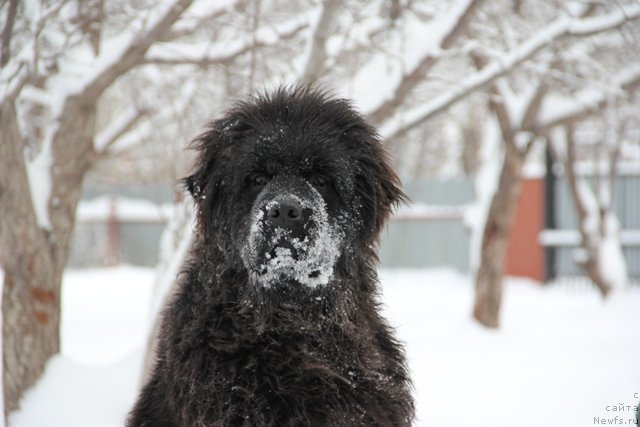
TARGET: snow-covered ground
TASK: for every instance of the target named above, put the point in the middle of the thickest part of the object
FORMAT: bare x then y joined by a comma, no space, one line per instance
562,357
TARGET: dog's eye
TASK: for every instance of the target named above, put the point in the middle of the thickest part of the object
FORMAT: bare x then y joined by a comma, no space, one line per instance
319,181
259,180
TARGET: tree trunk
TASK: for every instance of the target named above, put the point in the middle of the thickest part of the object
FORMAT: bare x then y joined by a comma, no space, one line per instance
34,258
30,302
488,296
591,240
593,217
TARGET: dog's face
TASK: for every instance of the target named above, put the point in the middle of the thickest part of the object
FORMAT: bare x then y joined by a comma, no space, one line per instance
291,186
295,229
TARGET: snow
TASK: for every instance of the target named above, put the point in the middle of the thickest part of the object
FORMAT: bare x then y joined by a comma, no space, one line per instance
614,268
314,16
572,237
94,379
13,77
561,357
605,232
556,109
113,301
315,255
591,168
588,199
558,360
124,209
534,166
115,128
79,69
39,175
504,62
425,212
378,80
486,184
207,52
604,22
380,68
559,237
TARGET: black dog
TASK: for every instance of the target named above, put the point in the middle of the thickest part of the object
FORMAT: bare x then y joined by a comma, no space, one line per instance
276,318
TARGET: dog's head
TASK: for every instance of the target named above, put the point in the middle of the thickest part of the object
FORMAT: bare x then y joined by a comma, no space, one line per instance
291,183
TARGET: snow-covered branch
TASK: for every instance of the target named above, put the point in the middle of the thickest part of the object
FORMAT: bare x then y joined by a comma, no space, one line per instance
110,68
557,112
317,54
174,54
192,22
600,253
447,29
359,41
13,78
598,24
505,63
7,32
115,130
38,174
19,68
138,132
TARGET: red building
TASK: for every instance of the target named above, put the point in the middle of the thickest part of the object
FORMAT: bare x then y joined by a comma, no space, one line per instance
525,254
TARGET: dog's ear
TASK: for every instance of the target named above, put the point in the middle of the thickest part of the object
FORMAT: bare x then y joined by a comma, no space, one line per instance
204,183
379,191
194,184
377,184
389,193
207,147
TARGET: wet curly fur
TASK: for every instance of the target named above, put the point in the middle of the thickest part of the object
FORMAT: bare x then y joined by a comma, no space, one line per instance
236,351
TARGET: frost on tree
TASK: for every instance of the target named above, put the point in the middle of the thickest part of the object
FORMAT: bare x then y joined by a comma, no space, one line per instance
58,59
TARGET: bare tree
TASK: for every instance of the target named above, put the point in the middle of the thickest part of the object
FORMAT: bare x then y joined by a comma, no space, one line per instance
44,157
518,134
529,59
488,283
600,256
317,46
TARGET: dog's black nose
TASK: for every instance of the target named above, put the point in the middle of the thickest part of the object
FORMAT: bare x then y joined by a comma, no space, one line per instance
284,213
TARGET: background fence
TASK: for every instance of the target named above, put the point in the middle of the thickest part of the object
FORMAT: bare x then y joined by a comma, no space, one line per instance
430,232
562,217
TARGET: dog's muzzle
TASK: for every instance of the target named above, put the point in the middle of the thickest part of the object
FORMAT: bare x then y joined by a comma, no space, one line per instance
292,239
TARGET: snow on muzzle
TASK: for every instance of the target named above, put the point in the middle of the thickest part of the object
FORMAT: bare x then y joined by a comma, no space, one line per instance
292,239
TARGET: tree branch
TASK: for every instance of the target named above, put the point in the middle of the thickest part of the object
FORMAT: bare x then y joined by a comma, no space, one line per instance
535,104
132,135
14,83
263,40
7,32
496,102
591,216
628,80
90,21
317,52
134,53
121,125
504,64
458,19
354,46
186,29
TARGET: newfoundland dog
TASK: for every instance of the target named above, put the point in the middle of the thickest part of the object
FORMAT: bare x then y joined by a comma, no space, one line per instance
276,319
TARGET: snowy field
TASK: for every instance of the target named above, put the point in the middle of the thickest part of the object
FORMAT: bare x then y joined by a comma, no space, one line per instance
560,359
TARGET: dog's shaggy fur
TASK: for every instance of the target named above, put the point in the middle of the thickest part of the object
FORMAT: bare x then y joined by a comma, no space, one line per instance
276,320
